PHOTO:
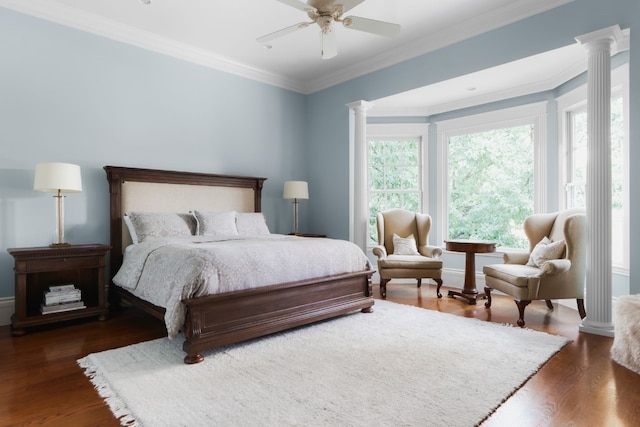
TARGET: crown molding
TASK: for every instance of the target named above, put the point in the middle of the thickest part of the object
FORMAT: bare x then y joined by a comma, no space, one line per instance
70,17
64,15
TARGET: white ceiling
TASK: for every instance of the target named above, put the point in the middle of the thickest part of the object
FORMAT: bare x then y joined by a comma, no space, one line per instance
221,35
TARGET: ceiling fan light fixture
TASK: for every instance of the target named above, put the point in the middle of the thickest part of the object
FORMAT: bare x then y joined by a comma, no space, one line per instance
324,22
324,13
328,47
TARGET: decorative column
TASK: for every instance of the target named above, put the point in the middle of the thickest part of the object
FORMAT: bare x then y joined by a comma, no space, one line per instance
598,191
359,206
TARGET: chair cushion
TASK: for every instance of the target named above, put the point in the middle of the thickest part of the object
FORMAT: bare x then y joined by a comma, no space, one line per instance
544,251
516,274
409,261
404,245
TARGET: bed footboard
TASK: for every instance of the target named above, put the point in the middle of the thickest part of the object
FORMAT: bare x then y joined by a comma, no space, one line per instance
218,320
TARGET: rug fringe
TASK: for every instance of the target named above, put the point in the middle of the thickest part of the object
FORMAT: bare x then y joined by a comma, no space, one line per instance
117,405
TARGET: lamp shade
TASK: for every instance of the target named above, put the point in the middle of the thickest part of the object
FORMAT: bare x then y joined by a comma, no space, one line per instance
295,190
54,177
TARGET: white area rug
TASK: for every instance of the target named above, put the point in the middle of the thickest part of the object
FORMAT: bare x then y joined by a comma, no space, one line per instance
397,366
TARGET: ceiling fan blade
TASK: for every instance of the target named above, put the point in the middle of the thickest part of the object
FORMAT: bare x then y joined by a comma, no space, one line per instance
276,34
348,4
329,46
299,5
381,28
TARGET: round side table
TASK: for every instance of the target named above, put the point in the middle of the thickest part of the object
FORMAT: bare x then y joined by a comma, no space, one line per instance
471,247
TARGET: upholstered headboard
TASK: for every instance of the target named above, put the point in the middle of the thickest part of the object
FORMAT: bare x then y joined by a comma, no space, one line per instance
152,190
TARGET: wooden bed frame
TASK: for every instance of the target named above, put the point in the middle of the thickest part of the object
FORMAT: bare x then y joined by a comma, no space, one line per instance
222,319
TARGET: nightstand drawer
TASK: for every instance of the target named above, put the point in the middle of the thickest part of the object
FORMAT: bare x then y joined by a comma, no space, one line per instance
57,264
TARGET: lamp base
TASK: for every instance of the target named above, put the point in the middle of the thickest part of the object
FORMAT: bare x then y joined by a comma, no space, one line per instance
59,245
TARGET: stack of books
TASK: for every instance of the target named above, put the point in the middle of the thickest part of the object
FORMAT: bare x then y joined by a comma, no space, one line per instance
61,298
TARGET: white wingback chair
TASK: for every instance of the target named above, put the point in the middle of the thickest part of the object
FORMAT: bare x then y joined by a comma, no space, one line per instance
423,264
547,279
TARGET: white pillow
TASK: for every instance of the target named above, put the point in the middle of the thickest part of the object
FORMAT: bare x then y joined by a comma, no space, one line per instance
216,223
143,225
404,245
544,251
131,228
251,224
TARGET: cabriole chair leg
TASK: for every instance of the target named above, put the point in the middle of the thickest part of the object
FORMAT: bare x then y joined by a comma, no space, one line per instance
521,306
439,283
383,288
581,310
487,291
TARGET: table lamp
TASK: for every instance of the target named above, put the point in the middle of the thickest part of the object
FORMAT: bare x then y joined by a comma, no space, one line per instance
296,190
58,178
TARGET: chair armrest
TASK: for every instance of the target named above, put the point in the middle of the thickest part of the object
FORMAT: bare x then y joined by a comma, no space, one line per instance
380,251
430,251
555,266
515,258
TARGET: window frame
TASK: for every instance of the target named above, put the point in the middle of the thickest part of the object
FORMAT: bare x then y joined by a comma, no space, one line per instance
533,114
419,131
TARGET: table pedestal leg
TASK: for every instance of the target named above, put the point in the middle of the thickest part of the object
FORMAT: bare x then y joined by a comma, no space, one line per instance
469,292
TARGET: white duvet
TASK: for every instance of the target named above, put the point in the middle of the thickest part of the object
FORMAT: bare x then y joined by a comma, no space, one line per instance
165,271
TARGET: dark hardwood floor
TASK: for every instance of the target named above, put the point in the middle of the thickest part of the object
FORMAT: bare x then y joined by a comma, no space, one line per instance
41,383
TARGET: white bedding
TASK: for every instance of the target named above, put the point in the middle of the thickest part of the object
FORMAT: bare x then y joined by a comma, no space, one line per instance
164,271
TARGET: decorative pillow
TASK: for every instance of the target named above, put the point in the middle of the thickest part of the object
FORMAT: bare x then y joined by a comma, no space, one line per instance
130,227
544,251
404,245
143,225
251,224
216,223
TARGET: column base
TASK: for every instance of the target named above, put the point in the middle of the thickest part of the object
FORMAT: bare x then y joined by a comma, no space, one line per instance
597,328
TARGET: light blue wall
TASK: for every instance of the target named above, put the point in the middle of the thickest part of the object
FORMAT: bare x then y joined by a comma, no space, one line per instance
74,97
328,122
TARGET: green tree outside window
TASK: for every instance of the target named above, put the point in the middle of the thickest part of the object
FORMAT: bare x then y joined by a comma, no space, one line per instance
394,178
491,185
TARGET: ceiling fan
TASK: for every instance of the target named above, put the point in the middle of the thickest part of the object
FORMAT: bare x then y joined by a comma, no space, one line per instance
324,13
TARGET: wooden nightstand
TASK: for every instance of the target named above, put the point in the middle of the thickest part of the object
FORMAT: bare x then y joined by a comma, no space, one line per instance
38,268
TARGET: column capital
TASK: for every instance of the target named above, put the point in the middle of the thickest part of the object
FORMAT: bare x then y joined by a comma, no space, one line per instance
603,37
360,106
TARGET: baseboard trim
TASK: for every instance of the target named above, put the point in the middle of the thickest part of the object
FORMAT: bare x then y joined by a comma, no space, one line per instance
451,277
7,307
